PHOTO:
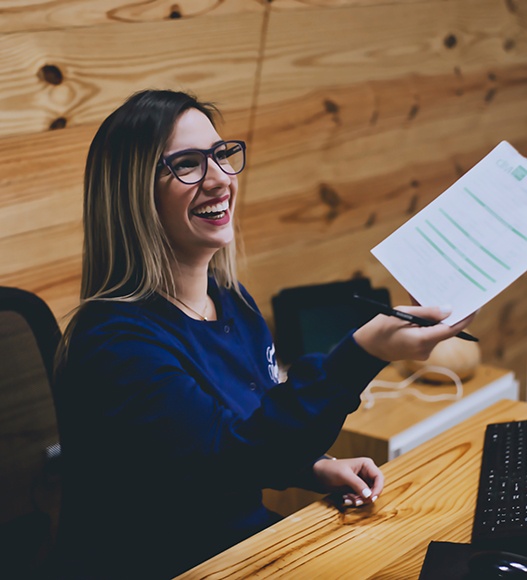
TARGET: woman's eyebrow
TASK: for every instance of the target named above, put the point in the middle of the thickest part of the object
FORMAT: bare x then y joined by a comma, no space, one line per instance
215,144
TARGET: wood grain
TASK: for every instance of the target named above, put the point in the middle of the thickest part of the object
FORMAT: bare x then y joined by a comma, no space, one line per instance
363,126
74,76
424,498
34,15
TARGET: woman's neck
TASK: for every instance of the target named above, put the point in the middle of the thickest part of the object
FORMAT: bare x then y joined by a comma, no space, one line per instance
191,285
192,288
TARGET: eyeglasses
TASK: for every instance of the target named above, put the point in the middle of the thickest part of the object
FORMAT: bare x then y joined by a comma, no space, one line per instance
190,166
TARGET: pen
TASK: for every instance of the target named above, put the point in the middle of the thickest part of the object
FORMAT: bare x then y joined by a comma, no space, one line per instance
385,309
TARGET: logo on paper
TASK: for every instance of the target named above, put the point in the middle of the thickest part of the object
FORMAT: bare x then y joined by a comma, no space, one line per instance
520,172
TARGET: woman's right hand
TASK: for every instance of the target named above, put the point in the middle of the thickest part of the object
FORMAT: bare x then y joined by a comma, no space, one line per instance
392,339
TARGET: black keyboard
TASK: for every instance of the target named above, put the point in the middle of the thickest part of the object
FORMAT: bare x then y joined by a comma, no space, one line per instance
500,520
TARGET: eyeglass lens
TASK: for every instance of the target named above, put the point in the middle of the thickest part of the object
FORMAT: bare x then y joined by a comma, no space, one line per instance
191,166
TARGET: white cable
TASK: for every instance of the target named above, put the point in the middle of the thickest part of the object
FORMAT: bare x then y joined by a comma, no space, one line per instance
396,389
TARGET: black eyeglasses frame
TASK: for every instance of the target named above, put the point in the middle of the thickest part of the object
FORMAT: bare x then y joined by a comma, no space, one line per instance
207,153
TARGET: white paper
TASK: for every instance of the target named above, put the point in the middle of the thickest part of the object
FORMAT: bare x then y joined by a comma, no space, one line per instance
470,243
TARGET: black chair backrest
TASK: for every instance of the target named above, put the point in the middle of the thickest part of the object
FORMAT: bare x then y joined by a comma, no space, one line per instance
39,318
29,495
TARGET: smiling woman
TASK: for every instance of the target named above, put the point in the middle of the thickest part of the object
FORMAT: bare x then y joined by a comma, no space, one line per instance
167,391
195,198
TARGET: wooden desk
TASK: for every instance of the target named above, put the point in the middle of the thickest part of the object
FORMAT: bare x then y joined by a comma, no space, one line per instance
430,494
394,426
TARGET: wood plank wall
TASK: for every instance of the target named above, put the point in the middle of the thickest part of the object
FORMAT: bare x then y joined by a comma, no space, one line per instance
357,114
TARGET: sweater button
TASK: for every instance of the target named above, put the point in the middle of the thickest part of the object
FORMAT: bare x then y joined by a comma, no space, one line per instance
252,386
227,329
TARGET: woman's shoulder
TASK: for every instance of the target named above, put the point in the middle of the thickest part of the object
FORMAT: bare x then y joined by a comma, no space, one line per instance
97,316
102,310
113,326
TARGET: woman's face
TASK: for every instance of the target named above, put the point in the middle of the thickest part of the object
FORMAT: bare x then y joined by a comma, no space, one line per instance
197,218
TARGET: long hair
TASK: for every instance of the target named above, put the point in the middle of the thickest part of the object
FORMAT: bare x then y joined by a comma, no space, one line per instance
126,254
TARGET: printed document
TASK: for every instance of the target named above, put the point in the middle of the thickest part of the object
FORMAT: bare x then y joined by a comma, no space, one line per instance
470,243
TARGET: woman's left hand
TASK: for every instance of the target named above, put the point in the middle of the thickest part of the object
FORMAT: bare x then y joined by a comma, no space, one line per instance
359,479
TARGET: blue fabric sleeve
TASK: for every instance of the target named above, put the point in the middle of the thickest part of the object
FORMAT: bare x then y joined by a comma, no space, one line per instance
138,388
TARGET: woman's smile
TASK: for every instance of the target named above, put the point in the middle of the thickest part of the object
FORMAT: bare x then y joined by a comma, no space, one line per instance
214,211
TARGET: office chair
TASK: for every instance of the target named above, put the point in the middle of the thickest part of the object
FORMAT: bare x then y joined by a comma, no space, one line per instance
29,487
316,317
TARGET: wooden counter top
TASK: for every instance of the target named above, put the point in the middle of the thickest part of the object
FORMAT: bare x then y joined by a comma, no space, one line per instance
430,494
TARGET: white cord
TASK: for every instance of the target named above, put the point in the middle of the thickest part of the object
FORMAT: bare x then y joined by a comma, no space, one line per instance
396,389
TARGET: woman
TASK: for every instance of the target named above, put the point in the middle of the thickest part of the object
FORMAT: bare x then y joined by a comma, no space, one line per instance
171,417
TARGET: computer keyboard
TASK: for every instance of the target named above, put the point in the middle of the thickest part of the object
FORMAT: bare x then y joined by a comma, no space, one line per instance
500,520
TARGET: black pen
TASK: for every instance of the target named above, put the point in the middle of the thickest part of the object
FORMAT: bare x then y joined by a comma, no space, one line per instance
382,308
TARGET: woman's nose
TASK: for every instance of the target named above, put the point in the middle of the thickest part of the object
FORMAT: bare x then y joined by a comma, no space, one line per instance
214,175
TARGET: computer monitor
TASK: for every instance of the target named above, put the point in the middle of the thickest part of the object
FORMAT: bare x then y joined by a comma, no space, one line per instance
315,318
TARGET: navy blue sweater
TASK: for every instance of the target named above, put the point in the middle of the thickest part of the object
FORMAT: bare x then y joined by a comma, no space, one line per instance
171,427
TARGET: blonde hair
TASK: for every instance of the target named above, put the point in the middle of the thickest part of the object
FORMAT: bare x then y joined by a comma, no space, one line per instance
126,254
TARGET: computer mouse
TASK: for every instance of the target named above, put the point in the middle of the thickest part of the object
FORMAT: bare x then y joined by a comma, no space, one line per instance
494,564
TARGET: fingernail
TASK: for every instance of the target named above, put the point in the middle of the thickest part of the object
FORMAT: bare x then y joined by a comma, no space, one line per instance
347,501
445,309
358,502
374,498
366,492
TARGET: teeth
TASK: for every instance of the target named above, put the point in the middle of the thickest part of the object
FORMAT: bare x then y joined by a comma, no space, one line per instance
223,206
